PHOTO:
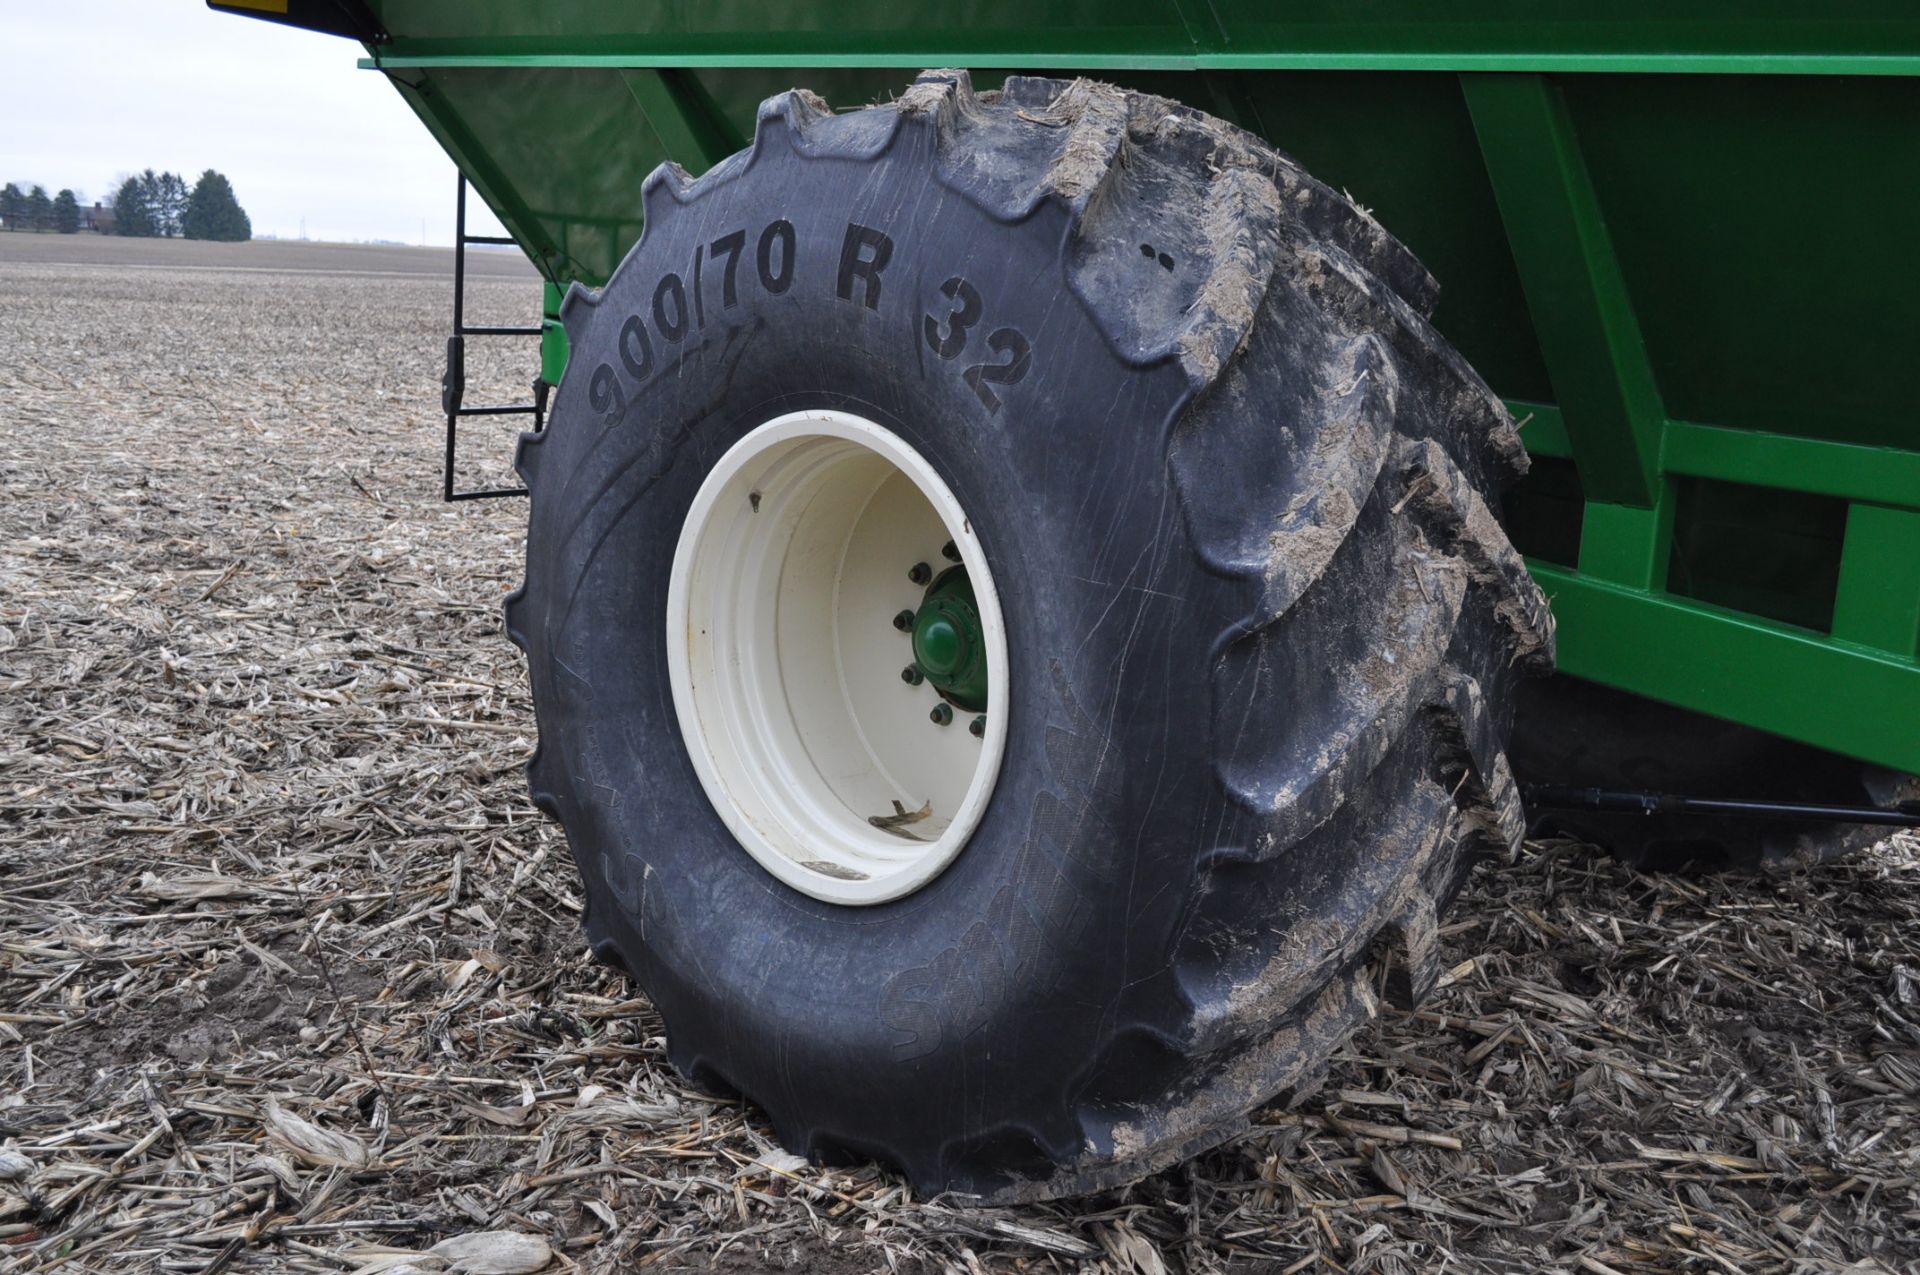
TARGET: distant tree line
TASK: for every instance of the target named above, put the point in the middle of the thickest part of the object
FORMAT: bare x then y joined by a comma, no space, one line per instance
150,205
31,209
160,205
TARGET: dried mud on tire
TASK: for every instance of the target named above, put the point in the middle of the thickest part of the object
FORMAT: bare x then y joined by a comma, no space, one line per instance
255,710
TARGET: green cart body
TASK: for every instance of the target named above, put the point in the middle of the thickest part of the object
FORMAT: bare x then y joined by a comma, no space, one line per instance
1679,240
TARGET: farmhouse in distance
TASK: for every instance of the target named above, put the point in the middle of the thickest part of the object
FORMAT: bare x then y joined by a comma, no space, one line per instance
147,205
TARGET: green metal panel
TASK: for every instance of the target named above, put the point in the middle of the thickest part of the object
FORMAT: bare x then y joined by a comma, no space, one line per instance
1879,598
1678,238
1764,231
1581,315
1628,544
691,126
553,337
1886,475
1767,675
1766,36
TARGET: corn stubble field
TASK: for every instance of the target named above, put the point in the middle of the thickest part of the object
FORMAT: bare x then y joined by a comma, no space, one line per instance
290,977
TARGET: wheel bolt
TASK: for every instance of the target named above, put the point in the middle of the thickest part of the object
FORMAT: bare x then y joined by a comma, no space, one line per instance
978,727
950,551
920,573
941,714
912,675
903,621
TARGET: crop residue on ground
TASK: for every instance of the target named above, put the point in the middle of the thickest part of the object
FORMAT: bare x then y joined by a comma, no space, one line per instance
290,976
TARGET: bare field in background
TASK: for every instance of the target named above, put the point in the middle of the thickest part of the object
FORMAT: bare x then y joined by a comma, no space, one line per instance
290,976
295,255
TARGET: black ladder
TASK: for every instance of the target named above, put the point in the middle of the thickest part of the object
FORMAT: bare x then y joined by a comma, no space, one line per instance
453,385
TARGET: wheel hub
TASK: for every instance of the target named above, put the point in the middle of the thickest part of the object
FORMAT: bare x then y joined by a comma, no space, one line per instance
948,645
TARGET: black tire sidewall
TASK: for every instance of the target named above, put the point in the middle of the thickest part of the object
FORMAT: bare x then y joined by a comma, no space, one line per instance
1013,966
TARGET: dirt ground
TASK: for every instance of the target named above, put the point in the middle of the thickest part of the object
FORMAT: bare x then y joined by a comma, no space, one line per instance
290,977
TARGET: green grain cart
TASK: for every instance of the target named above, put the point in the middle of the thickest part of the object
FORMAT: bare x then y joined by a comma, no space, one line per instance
1029,583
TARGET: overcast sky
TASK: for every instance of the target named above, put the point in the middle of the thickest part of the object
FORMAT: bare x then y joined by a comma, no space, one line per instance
99,88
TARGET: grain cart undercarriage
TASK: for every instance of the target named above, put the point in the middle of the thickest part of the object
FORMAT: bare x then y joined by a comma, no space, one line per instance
1025,598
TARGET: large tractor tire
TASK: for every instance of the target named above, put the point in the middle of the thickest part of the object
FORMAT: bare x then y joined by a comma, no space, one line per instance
1022,644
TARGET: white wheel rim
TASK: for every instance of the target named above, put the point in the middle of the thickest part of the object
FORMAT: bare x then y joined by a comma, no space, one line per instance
786,666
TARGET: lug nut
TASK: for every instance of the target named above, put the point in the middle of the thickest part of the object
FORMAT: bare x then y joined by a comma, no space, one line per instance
941,714
950,551
920,573
912,675
978,727
903,621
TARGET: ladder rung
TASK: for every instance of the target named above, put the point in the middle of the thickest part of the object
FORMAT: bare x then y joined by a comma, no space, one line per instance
502,239
497,409
499,331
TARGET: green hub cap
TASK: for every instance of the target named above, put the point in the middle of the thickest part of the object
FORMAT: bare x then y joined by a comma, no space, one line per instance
948,644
